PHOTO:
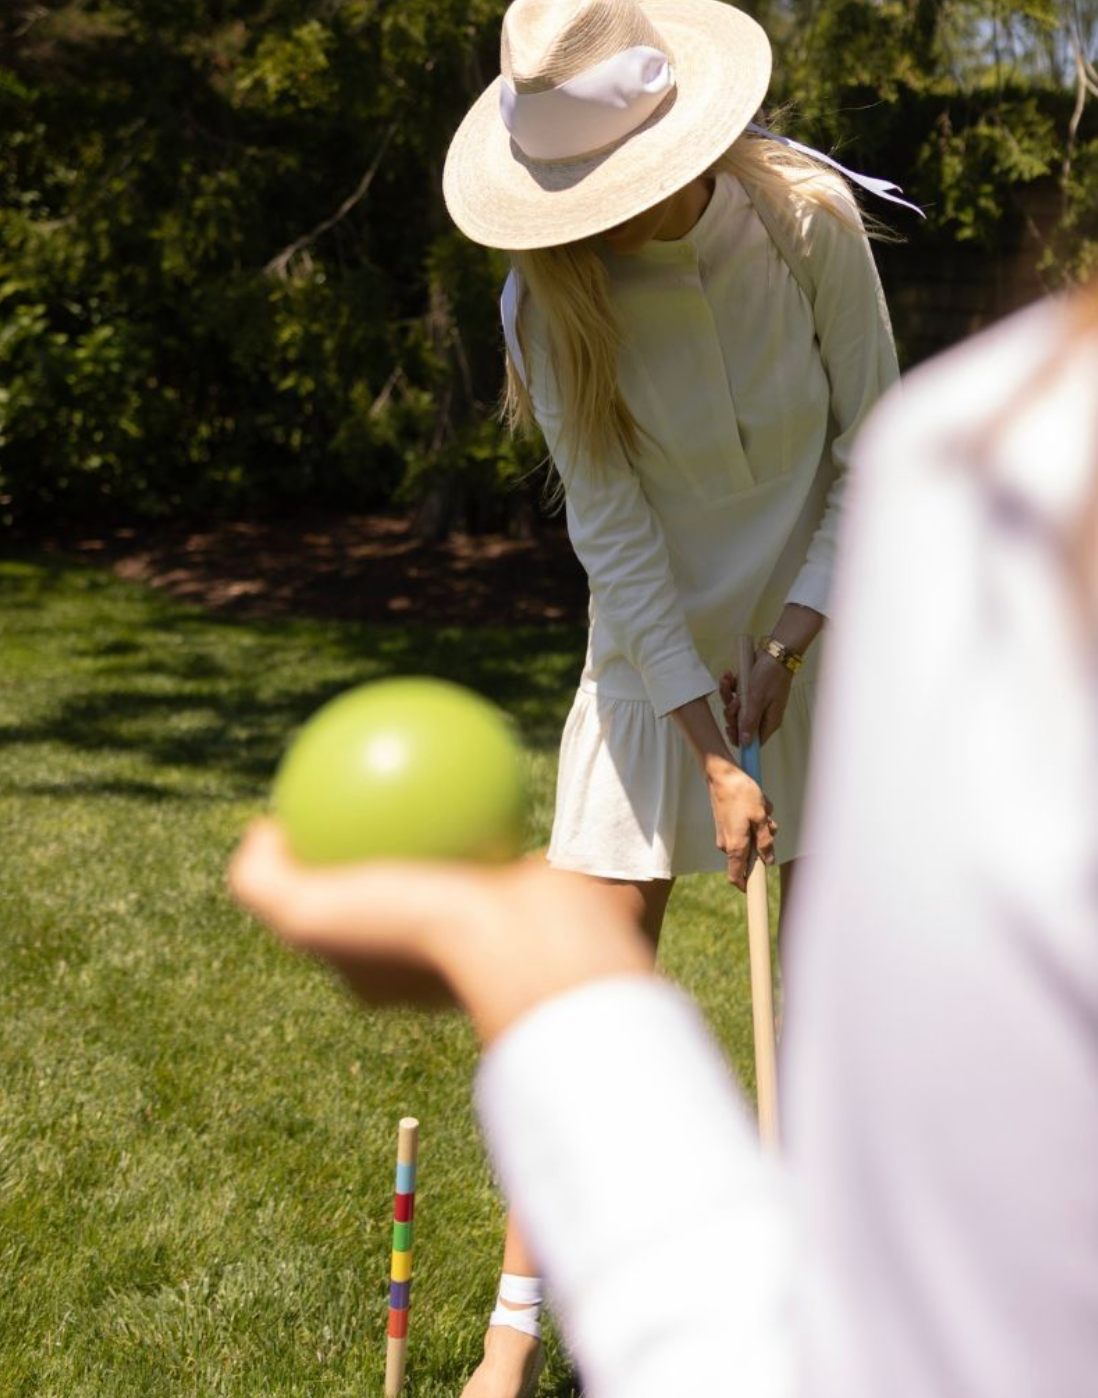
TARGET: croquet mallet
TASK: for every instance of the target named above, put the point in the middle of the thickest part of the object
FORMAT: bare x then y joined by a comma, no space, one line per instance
758,939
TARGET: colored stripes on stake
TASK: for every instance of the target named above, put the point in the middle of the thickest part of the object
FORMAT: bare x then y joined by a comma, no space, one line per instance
400,1272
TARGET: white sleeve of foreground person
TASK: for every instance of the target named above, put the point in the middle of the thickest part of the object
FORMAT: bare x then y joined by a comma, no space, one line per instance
940,1084
628,1157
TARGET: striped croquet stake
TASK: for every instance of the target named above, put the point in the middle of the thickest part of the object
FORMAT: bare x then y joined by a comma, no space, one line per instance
400,1276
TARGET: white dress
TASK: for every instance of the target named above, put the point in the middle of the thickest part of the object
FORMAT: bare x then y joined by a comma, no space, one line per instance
750,397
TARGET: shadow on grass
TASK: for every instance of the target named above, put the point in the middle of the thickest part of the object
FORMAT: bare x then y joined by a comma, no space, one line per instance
122,673
129,790
568,1386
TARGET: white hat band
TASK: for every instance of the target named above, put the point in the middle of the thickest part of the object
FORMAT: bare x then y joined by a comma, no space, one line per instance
590,111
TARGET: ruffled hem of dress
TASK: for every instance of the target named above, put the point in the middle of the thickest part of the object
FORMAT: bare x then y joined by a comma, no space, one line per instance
632,803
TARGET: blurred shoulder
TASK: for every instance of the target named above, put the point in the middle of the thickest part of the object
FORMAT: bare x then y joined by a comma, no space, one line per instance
1010,411
942,403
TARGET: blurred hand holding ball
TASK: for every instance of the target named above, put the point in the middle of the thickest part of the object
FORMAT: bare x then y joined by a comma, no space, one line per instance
403,769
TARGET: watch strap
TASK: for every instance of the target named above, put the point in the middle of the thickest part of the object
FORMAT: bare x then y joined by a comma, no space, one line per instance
781,653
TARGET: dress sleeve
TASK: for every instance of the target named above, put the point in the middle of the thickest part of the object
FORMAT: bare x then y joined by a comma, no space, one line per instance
665,1234
619,540
859,358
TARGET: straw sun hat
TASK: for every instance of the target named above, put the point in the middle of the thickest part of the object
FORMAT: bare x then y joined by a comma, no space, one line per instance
602,108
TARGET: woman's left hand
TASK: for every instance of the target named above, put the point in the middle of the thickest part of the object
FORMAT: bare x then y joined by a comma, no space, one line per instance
762,711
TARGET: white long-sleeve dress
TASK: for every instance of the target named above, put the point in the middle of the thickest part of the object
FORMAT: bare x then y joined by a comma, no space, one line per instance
749,397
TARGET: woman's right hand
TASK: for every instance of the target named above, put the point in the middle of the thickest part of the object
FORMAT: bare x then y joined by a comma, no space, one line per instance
741,815
495,940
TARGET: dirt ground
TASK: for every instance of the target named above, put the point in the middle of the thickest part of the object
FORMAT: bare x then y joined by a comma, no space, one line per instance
364,567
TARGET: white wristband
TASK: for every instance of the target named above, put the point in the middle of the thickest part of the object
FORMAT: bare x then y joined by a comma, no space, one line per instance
521,1291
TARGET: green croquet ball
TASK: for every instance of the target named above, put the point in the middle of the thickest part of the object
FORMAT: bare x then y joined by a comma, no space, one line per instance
406,769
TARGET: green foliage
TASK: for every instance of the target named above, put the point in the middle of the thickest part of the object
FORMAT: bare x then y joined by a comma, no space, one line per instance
1073,255
227,279
975,167
965,101
198,313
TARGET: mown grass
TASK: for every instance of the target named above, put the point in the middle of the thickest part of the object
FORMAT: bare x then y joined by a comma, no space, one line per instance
197,1130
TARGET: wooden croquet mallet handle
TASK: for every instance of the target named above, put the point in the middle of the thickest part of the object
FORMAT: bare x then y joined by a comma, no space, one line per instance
400,1277
758,941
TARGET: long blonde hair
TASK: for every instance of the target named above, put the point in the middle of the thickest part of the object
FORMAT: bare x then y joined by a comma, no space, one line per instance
570,287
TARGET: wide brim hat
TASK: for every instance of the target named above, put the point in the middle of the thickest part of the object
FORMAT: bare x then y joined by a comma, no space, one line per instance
671,83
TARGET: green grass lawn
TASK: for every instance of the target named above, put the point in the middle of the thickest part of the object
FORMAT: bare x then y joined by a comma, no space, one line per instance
197,1129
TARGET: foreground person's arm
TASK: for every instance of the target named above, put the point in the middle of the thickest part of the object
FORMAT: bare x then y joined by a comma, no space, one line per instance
620,1139
663,1231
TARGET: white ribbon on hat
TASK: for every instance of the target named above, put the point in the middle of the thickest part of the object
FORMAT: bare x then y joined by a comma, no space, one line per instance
874,185
590,111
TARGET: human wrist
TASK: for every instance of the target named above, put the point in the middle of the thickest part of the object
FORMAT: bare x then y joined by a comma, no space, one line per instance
797,627
782,655
720,767
527,936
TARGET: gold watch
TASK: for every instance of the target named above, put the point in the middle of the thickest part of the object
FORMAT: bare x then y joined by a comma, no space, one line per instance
781,653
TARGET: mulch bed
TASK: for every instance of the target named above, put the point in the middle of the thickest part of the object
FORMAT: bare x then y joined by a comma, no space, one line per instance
358,567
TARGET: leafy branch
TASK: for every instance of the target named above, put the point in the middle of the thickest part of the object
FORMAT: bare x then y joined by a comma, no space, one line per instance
279,265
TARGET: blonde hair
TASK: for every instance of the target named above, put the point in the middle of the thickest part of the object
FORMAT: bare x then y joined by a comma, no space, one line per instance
570,286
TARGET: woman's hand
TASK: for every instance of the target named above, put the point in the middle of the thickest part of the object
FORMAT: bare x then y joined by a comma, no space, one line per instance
760,713
376,922
741,815
495,940
767,697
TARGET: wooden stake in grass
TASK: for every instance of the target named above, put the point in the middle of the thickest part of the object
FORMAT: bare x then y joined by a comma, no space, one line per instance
400,1275
758,942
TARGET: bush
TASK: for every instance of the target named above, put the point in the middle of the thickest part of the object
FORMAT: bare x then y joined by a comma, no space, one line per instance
228,283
